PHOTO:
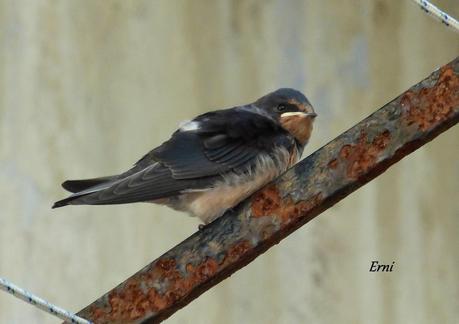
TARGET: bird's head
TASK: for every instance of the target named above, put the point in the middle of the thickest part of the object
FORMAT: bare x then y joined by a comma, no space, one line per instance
292,110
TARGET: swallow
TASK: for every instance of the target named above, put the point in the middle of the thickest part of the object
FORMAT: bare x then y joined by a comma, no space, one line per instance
212,162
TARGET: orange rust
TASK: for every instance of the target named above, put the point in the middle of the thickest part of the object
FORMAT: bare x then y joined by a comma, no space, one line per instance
236,251
166,264
207,269
97,313
157,301
430,106
363,155
290,210
345,151
179,285
203,271
132,303
164,268
333,164
266,201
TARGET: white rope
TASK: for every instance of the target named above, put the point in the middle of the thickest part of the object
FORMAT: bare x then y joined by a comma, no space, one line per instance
41,303
438,14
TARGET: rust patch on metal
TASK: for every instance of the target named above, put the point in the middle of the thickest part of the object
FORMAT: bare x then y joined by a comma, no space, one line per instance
269,203
157,301
236,251
362,156
430,106
97,314
138,297
333,164
289,210
200,273
131,303
166,264
345,151
266,201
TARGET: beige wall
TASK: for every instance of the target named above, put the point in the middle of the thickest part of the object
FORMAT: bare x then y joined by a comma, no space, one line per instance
87,87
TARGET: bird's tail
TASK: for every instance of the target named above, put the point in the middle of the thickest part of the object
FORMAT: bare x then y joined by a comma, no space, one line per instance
80,185
84,187
66,201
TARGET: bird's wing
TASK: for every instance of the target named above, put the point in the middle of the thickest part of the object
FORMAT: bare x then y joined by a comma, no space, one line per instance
225,141
153,182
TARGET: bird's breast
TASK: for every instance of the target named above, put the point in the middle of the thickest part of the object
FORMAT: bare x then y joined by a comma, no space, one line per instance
234,187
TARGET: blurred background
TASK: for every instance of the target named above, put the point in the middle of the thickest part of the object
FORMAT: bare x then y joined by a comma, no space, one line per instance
87,87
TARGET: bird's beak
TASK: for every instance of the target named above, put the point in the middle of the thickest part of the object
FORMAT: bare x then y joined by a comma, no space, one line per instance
299,114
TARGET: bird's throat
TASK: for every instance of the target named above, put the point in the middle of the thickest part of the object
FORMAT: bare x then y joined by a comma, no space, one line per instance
299,126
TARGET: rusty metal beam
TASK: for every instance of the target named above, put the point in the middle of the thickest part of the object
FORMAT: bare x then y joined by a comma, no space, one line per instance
310,187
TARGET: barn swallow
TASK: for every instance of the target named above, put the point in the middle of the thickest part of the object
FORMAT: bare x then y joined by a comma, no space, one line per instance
213,162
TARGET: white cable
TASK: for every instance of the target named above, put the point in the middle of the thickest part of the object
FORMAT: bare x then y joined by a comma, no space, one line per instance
438,14
40,303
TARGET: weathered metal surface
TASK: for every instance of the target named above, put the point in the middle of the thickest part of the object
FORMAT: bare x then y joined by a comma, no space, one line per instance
313,185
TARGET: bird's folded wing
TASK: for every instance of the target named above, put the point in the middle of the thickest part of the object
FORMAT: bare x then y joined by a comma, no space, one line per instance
225,141
153,182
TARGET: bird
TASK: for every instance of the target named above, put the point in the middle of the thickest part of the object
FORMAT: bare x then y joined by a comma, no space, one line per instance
212,162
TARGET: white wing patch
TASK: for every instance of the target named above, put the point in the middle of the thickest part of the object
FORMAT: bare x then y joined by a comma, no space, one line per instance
190,125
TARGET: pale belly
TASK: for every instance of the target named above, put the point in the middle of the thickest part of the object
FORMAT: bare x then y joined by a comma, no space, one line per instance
212,203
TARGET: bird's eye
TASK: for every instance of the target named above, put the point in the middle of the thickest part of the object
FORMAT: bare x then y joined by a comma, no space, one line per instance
281,108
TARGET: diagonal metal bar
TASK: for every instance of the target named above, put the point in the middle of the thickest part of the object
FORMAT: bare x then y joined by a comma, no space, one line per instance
310,187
